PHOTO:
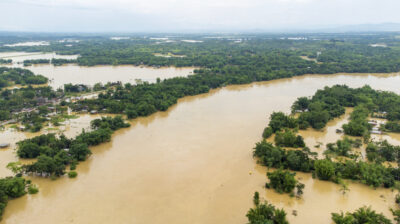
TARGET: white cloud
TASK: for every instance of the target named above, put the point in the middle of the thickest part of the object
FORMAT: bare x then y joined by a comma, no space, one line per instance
197,14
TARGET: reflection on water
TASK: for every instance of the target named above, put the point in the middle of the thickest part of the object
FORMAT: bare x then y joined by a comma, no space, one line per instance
191,164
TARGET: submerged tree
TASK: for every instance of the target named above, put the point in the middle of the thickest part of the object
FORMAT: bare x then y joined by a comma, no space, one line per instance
265,213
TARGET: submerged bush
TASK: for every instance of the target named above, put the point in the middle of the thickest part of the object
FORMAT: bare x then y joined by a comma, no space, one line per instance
72,174
33,189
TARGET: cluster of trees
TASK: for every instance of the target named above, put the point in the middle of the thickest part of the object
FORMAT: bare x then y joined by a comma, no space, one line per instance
392,126
362,215
18,99
265,213
284,181
288,138
343,147
75,88
358,125
373,174
55,153
329,103
5,61
11,187
12,76
279,121
383,151
276,157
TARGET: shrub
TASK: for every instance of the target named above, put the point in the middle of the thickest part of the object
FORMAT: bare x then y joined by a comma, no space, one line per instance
32,189
324,169
72,174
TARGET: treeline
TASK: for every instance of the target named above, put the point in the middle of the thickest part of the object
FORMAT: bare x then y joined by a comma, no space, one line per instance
55,153
5,61
54,61
36,61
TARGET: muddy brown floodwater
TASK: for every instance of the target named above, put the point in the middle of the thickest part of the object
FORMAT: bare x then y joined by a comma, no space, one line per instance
90,75
75,74
192,164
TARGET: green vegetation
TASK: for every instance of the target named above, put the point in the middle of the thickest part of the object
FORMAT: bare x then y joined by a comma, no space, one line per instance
55,153
324,169
260,52
10,187
71,88
265,213
273,156
222,62
358,125
33,189
362,215
283,181
5,61
18,76
372,174
72,174
383,151
331,101
343,147
289,139
392,126
36,61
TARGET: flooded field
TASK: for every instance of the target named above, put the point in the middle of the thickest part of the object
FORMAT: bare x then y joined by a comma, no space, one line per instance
75,74
19,57
60,75
194,164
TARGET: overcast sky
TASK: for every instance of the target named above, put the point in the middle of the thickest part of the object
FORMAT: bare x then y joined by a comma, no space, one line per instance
190,15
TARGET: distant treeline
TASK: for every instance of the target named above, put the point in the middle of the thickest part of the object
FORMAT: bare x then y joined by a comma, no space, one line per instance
53,61
5,61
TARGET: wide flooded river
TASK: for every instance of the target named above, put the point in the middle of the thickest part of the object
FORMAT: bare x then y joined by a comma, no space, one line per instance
75,74
194,164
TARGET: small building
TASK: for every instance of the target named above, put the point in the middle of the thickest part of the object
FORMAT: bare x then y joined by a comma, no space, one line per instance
93,112
375,130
